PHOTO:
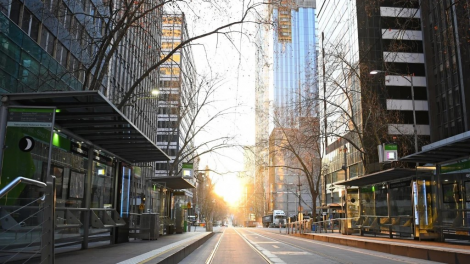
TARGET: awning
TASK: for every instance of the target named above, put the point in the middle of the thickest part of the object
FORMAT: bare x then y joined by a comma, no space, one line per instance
444,150
379,177
90,116
174,183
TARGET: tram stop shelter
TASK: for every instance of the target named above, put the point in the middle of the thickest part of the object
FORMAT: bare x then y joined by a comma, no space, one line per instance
81,144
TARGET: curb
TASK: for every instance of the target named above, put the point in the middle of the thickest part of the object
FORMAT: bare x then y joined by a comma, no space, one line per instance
450,257
178,256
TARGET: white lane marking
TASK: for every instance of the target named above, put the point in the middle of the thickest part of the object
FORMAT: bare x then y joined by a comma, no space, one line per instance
363,251
274,242
161,250
267,254
211,257
274,246
292,253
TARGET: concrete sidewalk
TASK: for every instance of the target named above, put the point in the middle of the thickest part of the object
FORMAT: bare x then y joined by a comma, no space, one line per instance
428,250
166,249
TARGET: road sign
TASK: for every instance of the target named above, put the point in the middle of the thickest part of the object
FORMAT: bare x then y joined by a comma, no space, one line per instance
141,207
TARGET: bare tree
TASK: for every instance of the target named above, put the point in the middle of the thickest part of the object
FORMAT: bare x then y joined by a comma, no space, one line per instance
211,205
295,149
195,102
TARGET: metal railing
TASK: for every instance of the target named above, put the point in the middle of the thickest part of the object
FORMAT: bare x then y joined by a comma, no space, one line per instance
308,226
19,180
23,225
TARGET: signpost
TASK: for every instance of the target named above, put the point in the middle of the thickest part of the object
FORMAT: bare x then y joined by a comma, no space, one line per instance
24,130
388,152
188,171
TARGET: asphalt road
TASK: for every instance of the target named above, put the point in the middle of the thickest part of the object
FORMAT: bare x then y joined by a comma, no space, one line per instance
264,245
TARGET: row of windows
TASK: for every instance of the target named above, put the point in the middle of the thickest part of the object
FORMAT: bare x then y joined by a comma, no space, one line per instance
402,23
39,33
418,69
172,20
175,71
403,93
403,4
171,32
169,84
445,69
169,45
396,45
406,117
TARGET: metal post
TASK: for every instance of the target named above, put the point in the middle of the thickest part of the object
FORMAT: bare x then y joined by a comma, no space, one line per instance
3,129
439,201
115,195
86,222
47,242
300,206
415,132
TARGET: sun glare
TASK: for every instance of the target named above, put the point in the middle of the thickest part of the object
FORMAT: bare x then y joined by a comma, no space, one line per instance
230,189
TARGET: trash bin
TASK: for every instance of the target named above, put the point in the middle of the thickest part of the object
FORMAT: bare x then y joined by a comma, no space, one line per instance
314,227
152,222
185,226
170,229
343,226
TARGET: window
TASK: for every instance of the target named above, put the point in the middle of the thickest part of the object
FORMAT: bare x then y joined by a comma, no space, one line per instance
61,54
400,200
15,11
30,24
47,40
4,7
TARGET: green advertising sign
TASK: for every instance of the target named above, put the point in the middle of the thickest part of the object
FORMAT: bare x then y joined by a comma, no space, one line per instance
455,167
390,147
188,166
27,131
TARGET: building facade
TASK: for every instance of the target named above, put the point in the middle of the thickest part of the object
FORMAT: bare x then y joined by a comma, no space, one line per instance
361,111
445,35
176,109
103,148
285,78
447,59
294,57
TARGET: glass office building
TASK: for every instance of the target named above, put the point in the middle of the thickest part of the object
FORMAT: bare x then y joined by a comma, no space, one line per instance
294,78
294,54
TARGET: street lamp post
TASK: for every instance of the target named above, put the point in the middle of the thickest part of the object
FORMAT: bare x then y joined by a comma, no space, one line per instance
300,205
415,132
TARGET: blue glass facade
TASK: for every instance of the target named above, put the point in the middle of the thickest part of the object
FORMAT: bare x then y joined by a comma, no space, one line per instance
295,60
26,67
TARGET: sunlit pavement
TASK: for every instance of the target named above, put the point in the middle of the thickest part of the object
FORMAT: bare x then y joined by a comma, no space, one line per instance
278,248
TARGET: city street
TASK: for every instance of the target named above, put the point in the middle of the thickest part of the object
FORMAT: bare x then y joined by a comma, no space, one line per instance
267,245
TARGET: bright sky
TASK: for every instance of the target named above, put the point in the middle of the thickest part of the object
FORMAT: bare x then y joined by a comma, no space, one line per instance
234,61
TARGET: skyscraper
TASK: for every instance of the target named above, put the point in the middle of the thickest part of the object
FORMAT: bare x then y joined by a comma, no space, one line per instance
285,80
294,57
174,129
447,49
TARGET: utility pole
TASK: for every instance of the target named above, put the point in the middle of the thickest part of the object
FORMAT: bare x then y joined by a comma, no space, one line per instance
299,184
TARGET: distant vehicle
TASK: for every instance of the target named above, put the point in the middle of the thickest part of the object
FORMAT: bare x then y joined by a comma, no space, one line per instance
251,223
192,220
278,217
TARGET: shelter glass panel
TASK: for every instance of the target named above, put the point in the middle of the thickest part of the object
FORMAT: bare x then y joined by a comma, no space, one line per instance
400,200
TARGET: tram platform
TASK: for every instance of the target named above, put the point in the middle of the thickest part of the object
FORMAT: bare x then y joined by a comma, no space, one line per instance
166,249
428,250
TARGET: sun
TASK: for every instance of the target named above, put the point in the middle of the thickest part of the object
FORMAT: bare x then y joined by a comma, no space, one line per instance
229,188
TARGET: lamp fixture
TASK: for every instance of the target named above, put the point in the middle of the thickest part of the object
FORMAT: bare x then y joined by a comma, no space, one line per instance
155,92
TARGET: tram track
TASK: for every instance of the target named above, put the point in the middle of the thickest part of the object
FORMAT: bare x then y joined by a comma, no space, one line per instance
323,244
211,257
